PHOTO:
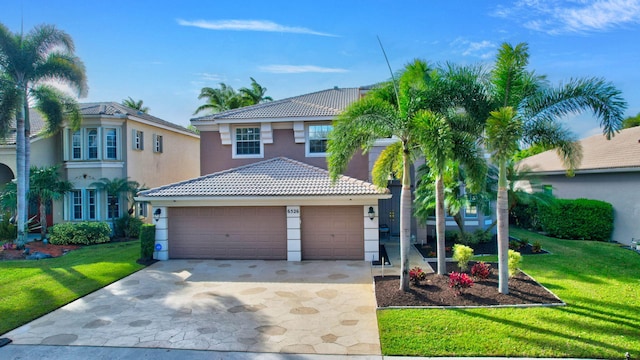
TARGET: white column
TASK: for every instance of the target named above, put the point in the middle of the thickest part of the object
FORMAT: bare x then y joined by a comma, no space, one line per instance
294,243
371,234
161,249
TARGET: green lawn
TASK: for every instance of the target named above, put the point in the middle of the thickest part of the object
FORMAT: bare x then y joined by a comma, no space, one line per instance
30,289
600,282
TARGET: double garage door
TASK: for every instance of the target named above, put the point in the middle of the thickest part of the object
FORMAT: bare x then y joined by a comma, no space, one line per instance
328,233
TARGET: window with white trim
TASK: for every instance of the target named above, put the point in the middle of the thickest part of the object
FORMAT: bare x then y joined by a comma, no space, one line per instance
113,206
157,143
111,144
138,140
76,145
143,209
317,137
76,204
92,144
247,142
471,210
92,205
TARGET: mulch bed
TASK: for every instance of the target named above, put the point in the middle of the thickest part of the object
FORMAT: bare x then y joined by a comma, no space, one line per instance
435,291
37,246
488,248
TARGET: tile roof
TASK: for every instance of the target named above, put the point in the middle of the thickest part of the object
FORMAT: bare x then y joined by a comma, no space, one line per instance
329,102
598,153
274,177
87,109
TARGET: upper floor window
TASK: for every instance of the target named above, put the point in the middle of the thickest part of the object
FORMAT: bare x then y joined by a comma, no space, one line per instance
92,144
247,142
317,137
138,140
111,144
76,145
157,143
471,210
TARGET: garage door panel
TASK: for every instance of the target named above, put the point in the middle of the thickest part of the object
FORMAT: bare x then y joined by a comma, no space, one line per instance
228,233
332,233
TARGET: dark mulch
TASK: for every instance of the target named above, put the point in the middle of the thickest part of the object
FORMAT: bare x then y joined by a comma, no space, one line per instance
37,246
487,248
435,291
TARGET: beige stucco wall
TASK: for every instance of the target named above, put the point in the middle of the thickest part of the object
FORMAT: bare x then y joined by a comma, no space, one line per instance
179,160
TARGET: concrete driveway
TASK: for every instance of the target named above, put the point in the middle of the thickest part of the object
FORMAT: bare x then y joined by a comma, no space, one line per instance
311,307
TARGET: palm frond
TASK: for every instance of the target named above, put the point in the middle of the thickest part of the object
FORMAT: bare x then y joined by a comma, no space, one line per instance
388,165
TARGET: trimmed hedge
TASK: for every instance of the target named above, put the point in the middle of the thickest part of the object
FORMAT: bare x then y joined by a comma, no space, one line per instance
581,219
83,233
128,226
147,241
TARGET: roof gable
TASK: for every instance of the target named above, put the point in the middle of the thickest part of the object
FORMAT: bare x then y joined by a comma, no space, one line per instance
598,153
329,103
274,177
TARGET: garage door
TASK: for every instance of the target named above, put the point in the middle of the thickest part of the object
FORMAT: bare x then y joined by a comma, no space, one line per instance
228,233
332,233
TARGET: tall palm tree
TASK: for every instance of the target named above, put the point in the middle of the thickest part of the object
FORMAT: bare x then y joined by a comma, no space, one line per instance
28,62
115,188
254,94
137,105
405,111
527,111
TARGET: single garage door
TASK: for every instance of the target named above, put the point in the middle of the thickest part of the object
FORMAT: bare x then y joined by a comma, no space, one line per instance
332,233
228,233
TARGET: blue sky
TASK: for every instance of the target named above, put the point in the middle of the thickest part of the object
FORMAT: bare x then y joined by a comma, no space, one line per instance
164,52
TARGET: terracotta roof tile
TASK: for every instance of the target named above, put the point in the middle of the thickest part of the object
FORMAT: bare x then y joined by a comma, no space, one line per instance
598,153
274,177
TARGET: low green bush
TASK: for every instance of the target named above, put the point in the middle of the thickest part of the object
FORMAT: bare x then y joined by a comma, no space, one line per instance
462,254
513,262
579,219
147,241
482,236
128,226
8,231
529,216
83,233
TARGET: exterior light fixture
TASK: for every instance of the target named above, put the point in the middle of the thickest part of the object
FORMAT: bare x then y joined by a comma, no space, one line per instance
372,213
156,214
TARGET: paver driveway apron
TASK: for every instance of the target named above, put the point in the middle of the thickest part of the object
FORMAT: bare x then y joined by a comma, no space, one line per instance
324,307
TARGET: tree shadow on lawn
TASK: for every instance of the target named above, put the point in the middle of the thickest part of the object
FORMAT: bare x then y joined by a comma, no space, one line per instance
540,336
615,319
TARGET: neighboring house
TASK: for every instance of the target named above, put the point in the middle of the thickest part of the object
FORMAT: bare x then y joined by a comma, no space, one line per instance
250,145
610,171
113,141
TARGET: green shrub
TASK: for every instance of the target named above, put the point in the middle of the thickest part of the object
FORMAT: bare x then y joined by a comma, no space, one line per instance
536,247
147,241
582,219
8,231
83,233
482,236
462,254
514,262
450,236
529,216
128,226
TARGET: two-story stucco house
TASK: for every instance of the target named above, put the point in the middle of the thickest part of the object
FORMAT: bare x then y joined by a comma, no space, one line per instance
265,193
113,141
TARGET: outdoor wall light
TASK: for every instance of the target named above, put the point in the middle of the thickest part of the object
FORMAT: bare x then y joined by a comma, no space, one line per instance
156,214
371,213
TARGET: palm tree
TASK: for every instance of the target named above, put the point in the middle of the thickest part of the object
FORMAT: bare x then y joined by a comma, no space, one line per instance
405,112
114,188
129,102
27,61
219,99
255,94
526,111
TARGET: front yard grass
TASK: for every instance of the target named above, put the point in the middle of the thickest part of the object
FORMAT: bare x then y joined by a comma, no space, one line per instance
32,288
600,282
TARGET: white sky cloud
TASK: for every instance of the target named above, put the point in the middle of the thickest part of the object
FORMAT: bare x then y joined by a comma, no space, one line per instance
210,76
250,25
556,16
483,49
297,69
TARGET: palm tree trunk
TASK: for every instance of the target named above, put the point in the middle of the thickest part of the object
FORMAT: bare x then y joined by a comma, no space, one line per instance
43,219
22,176
405,222
440,226
503,230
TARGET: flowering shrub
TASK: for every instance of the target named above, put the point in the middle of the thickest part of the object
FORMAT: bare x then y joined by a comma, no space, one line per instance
459,281
416,275
481,270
